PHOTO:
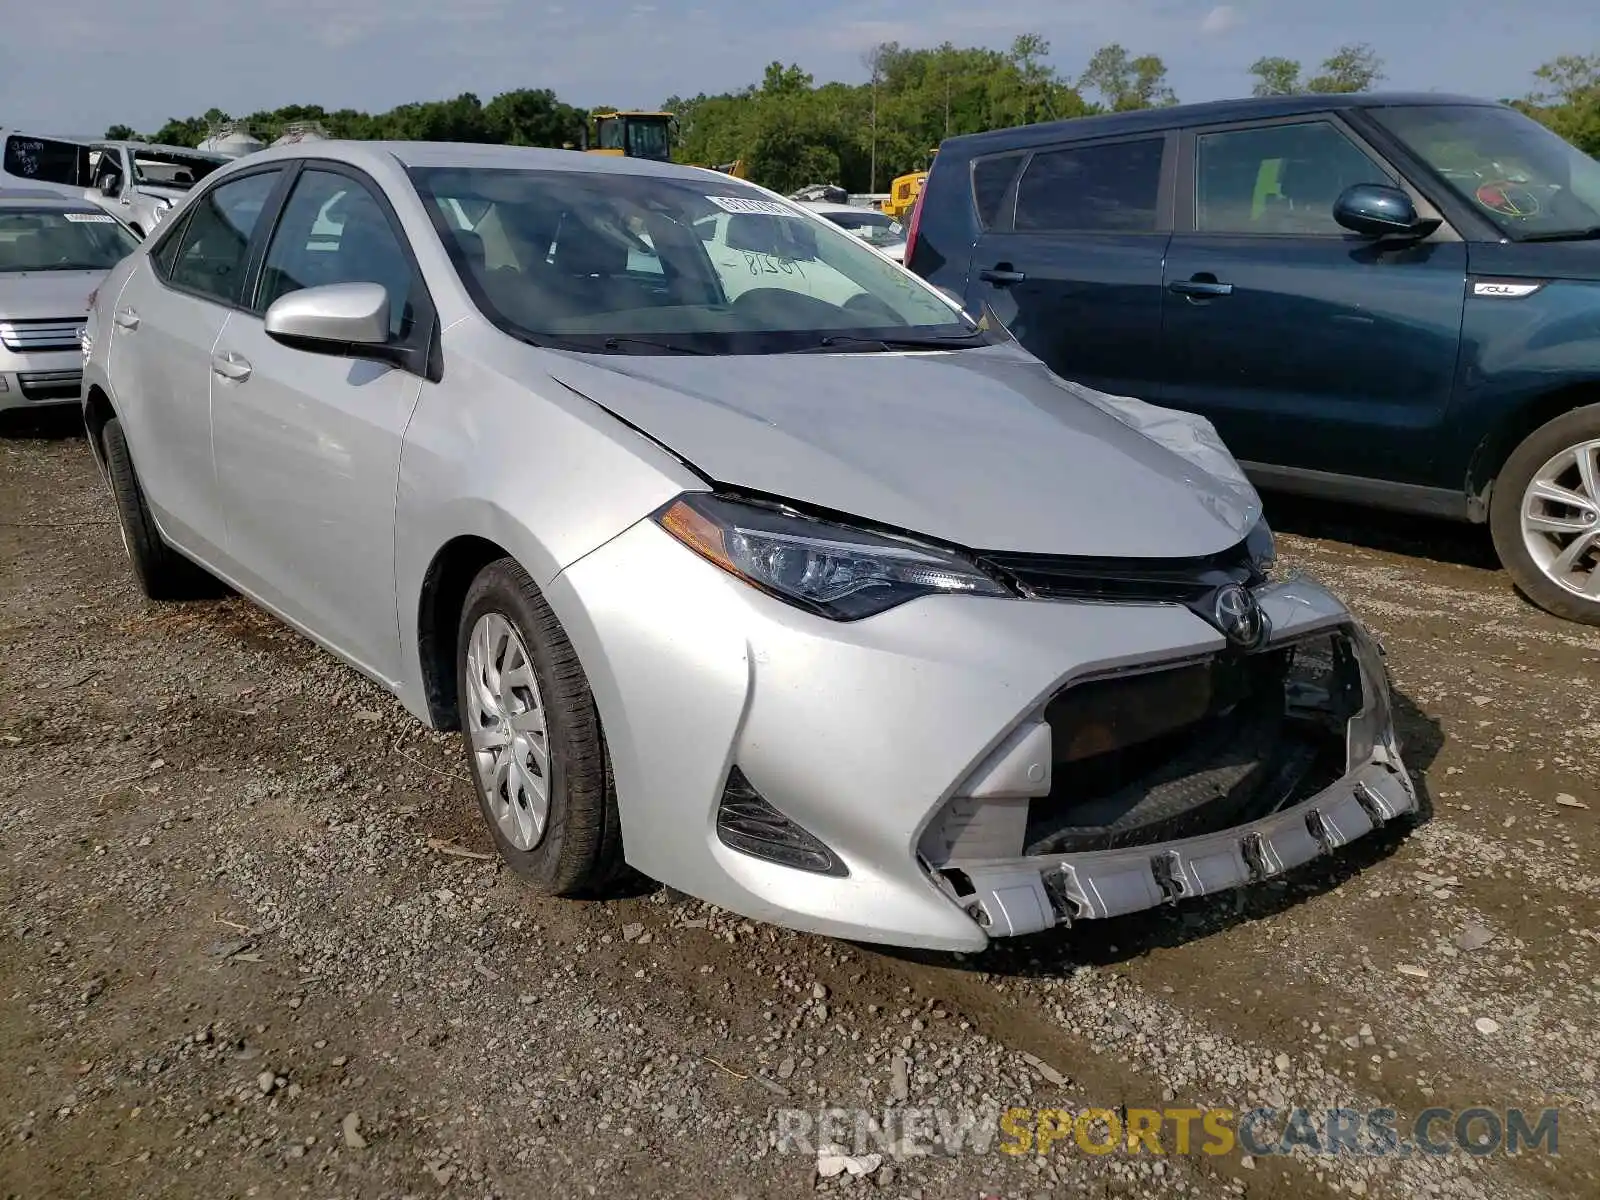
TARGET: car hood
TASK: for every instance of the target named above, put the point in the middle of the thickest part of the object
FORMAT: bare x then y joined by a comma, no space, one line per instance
40,295
984,447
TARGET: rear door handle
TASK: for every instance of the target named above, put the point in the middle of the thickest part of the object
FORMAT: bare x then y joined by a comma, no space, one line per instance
1200,287
126,318
1001,276
231,366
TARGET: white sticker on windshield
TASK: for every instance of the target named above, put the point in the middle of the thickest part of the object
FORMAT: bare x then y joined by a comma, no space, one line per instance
745,204
91,218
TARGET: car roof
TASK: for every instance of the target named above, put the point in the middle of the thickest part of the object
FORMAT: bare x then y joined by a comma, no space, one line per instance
1179,115
473,154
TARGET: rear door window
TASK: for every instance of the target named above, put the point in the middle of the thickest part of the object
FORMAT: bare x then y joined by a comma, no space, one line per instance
1108,187
46,160
215,253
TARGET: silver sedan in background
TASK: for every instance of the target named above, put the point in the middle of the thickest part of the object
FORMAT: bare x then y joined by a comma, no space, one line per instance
824,604
54,251
877,229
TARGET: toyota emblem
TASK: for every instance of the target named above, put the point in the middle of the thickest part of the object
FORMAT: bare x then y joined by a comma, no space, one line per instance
1239,617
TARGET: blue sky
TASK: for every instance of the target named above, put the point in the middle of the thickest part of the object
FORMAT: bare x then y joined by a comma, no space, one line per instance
82,66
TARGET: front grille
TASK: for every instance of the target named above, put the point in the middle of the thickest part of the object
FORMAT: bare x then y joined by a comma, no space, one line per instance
50,385
1193,749
28,337
1147,580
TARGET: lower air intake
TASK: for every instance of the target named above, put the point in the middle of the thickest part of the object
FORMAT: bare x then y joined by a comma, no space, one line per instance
748,824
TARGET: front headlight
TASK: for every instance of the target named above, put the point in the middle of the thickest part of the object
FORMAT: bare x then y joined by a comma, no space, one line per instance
832,570
1263,549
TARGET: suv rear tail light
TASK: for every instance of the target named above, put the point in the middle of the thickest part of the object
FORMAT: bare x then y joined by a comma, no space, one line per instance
916,220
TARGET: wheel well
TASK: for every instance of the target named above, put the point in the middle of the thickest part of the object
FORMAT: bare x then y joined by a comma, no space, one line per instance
444,591
1493,451
97,411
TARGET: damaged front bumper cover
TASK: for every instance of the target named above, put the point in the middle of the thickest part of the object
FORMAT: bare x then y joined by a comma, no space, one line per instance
1032,894
1013,895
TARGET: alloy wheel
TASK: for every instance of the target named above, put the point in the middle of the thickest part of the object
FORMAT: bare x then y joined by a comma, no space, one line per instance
1561,519
506,724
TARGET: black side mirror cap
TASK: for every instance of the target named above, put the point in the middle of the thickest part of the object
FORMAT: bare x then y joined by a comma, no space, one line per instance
1376,210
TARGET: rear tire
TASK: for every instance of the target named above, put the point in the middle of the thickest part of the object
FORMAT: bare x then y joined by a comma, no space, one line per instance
555,756
1550,545
162,572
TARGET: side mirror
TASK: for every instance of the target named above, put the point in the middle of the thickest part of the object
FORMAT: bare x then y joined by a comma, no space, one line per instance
1377,211
337,318
111,185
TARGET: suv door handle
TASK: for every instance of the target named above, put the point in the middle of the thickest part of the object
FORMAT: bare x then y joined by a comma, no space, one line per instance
231,366
1001,275
126,318
1200,287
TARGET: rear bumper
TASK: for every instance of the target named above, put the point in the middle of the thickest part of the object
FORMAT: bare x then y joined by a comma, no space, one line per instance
866,735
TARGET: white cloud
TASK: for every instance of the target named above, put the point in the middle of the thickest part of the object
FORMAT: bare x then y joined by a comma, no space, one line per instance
1221,19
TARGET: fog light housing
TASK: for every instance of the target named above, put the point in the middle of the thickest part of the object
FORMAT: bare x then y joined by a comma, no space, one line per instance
748,824
1372,729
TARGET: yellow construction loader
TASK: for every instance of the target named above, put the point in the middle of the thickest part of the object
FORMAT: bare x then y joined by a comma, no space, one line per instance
637,134
631,134
904,190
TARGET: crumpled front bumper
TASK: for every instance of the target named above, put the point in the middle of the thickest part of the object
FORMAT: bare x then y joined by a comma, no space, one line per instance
864,733
1026,895
1023,895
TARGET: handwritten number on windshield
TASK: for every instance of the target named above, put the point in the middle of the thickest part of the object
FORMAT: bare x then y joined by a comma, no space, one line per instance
771,264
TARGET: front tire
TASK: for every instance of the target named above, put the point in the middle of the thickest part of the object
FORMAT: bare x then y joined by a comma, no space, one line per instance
533,738
162,572
1545,516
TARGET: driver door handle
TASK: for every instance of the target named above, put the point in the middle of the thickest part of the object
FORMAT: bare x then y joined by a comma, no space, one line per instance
1200,287
231,366
1001,275
126,318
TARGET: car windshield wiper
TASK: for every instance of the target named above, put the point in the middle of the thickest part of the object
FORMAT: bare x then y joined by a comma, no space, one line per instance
609,342
613,342
935,341
1569,235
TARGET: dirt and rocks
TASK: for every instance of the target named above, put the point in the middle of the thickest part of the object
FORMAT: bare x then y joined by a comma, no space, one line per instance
253,942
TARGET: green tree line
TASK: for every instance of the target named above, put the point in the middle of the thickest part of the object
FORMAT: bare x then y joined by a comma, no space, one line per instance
790,131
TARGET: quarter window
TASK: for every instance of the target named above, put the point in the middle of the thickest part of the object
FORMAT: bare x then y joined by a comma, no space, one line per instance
1279,179
333,230
991,178
46,160
1107,188
215,253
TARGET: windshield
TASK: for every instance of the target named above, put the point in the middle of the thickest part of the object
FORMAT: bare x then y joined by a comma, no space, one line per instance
1519,174
45,239
634,263
178,171
874,228
649,139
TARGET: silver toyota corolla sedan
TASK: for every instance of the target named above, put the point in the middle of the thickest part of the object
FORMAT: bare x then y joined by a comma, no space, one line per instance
764,571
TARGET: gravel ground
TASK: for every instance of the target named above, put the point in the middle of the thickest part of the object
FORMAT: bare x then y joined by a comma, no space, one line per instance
255,945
